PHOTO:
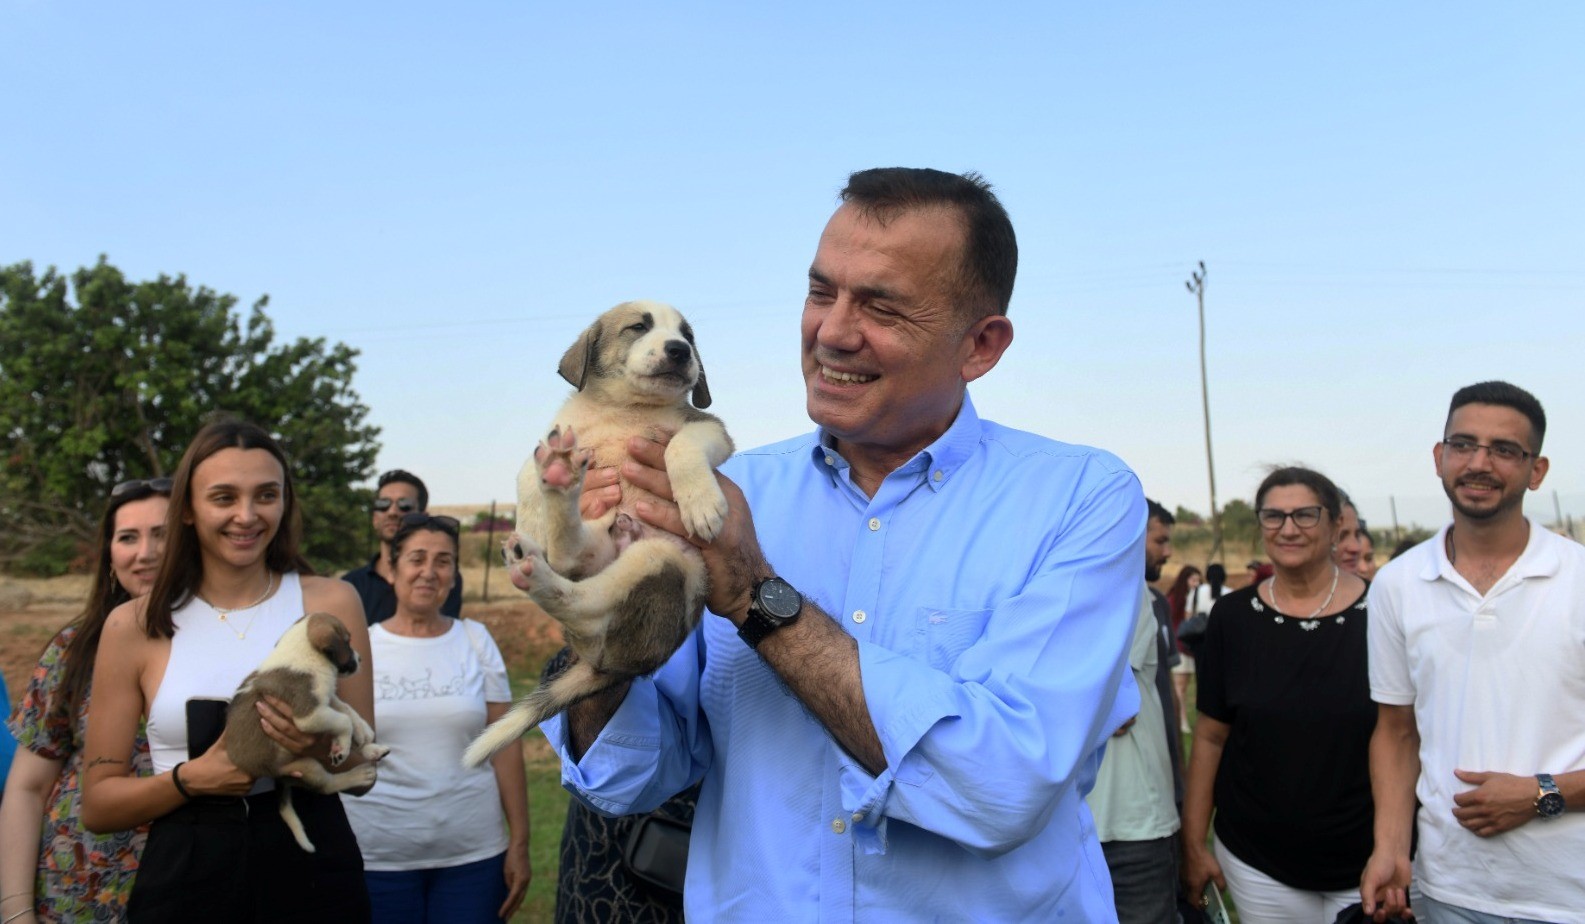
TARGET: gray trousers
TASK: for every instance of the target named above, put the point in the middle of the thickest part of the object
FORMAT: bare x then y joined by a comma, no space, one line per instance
1144,879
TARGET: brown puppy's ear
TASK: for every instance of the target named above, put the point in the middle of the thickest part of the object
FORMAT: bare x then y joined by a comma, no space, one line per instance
701,390
579,357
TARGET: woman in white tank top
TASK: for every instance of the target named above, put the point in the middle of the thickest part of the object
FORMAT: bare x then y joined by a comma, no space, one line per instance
230,584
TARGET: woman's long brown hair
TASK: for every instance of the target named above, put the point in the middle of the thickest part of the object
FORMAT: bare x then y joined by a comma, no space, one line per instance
182,566
106,593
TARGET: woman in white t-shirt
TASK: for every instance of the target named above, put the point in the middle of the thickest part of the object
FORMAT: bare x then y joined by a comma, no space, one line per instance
441,843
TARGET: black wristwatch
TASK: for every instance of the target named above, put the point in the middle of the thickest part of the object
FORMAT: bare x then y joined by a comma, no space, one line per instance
1548,802
773,603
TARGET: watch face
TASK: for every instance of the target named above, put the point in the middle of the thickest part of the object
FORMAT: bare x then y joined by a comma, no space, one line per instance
1550,805
780,599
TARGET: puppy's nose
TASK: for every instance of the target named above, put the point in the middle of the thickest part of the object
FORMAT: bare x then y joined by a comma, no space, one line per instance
678,351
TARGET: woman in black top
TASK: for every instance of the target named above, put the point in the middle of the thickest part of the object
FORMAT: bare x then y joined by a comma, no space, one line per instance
1282,744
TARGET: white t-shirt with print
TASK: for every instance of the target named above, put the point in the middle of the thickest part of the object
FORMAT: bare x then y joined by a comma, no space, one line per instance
426,811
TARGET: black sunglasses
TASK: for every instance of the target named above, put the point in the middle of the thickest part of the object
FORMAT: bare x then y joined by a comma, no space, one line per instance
422,520
383,504
152,485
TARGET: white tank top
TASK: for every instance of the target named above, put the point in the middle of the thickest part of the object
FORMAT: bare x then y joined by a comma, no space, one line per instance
209,661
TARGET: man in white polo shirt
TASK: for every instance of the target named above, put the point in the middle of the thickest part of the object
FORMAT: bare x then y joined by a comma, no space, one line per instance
1477,659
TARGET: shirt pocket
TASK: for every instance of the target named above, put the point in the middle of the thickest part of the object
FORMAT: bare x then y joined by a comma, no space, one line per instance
947,633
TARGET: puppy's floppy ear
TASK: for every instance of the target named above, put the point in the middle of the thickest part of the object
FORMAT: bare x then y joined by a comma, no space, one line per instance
579,357
701,390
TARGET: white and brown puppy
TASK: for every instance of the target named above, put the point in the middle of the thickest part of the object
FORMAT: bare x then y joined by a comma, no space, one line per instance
627,595
302,672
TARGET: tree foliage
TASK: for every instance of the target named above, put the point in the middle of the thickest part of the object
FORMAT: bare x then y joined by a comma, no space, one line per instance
112,386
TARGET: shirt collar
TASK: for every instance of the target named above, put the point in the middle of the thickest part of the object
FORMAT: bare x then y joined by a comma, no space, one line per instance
940,459
1539,558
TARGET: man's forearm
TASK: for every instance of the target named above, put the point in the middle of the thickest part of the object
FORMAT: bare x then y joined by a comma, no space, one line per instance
820,664
588,717
1394,770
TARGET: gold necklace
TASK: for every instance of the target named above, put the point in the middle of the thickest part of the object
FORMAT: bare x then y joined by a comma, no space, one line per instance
222,613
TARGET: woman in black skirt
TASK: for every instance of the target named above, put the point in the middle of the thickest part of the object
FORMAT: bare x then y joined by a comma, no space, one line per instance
230,584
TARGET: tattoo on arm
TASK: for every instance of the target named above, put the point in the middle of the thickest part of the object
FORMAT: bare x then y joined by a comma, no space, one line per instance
104,760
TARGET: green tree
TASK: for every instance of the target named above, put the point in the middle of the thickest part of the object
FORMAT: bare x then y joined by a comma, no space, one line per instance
1238,522
114,385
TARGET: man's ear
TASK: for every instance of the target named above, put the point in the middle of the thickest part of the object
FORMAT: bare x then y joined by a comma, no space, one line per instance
579,357
985,341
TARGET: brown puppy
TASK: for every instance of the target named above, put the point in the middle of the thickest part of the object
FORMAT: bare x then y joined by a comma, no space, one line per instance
302,671
625,594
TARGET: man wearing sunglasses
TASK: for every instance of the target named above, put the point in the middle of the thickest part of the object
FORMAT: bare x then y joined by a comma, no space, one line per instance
397,494
1477,664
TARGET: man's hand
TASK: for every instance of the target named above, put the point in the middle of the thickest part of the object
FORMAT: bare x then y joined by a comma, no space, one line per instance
1384,885
1500,802
733,558
601,493
1124,728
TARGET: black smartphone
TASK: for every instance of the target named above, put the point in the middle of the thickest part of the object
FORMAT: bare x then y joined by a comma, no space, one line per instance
206,719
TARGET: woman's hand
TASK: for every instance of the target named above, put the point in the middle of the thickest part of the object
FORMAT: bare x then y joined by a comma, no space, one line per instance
275,716
213,773
518,875
1199,867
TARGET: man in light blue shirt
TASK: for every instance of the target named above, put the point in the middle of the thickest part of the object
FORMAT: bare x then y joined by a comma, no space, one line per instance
922,631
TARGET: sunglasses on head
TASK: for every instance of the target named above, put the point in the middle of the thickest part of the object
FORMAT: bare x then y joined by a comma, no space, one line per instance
152,485
421,520
382,504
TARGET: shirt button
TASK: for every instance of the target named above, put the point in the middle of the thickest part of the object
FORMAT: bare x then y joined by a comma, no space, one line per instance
830,461
838,825
859,616
875,524
938,476
858,817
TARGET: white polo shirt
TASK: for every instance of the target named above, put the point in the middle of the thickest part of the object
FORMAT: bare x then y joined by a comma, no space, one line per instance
1497,684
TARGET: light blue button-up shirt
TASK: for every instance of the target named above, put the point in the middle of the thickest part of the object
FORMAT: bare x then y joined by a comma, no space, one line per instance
991,584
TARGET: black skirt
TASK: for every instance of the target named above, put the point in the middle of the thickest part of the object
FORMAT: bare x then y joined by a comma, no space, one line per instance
235,860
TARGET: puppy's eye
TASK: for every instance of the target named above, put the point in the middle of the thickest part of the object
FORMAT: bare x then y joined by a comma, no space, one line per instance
641,327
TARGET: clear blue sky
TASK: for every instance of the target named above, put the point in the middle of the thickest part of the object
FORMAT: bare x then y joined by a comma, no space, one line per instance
1389,198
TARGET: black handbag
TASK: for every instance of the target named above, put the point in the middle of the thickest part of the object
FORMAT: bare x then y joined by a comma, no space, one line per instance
1192,632
656,851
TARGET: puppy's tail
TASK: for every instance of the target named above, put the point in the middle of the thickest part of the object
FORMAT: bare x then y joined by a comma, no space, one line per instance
289,815
577,682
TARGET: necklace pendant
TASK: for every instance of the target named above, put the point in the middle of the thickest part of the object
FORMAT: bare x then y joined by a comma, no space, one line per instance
1310,625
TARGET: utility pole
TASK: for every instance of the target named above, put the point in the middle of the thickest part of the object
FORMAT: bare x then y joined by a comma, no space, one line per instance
1196,288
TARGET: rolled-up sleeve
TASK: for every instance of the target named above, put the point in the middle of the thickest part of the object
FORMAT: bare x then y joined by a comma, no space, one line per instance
655,745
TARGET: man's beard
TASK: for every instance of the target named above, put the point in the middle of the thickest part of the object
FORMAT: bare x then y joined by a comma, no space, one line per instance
1503,505
1152,573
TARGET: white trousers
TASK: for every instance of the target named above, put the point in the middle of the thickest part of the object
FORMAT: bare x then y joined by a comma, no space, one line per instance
1263,900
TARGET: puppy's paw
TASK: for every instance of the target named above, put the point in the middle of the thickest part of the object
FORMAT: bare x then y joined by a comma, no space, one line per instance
361,776
561,463
340,749
700,502
373,751
525,562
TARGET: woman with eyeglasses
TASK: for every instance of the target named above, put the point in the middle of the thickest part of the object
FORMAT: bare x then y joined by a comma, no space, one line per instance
229,585
1281,745
51,867
441,843
397,494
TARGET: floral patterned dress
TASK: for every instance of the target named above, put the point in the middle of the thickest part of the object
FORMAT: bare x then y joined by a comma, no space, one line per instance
82,876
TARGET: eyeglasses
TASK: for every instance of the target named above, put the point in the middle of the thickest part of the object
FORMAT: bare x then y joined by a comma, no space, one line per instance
382,504
1501,451
421,520
1304,517
152,485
